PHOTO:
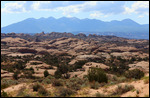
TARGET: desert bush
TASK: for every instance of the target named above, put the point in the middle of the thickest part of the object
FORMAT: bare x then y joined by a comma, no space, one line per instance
135,73
28,74
58,74
36,86
79,64
4,94
21,91
75,83
99,95
97,74
65,92
73,86
146,79
15,75
7,82
27,95
20,65
43,91
46,73
122,79
46,81
63,68
57,82
95,85
122,89
137,92
66,76
115,78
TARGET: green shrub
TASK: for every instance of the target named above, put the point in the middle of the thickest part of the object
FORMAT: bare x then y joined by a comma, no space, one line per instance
4,94
8,82
97,74
95,85
36,86
21,91
15,75
75,83
79,64
46,81
65,92
43,91
57,82
122,89
46,73
137,92
135,73
57,74
28,74
99,95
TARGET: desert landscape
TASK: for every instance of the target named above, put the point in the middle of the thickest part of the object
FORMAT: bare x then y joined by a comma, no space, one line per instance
74,48
67,65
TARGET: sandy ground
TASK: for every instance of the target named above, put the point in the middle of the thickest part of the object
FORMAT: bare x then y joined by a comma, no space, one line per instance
15,87
139,85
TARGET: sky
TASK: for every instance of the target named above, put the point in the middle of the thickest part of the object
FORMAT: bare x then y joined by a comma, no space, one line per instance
15,11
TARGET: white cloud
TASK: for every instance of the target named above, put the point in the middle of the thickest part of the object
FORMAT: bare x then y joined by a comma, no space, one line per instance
140,16
139,7
103,7
96,15
97,8
14,7
41,5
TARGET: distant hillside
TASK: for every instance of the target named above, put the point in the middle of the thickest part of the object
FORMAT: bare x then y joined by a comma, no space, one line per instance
125,28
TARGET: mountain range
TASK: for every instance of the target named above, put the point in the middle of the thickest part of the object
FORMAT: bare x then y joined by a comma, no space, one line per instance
125,28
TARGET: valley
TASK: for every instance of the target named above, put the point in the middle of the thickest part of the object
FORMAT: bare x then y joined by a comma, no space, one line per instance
63,64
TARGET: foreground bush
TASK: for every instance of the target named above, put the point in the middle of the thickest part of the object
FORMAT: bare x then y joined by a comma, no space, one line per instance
95,85
46,73
75,83
122,89
100,95
135,73
36,86
43,91
65,92
4,94
97,74
57,82
8,82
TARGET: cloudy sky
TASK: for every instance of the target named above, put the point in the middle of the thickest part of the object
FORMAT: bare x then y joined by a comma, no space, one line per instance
15,11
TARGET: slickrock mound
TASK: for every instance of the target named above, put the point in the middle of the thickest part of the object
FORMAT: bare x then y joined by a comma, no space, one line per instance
39,68
93,64
144,66
105,55
84,71
14,41
124,49
140,86
19,54
85,57
71,46
6,74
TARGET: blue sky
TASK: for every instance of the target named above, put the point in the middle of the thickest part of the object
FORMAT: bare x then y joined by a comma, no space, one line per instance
15,11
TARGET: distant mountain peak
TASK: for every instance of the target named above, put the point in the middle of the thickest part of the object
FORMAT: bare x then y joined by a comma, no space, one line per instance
73,24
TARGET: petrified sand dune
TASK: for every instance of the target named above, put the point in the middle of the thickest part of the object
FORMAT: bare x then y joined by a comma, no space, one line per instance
6,74
14,40
144,66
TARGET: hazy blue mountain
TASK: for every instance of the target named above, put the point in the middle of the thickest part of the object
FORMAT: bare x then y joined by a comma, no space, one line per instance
125,28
